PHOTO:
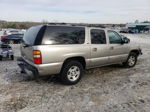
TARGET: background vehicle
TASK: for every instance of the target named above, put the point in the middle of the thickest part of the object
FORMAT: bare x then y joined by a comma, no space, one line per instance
13,31
6,52
11,39
68,50
126,31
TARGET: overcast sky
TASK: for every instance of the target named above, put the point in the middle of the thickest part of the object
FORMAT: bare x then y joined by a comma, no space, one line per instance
85,11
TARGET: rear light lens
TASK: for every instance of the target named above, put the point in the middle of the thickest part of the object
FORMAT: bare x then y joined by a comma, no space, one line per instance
37,57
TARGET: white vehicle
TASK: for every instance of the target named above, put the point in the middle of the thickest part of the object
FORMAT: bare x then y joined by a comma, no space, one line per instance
6,52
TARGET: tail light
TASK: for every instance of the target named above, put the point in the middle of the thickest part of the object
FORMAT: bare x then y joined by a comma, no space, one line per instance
3,37
37,57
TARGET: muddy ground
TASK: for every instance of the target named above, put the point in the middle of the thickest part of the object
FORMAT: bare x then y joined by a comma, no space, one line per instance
106,89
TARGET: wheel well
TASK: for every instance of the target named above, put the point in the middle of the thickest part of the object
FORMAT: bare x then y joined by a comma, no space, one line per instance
135,51
79,59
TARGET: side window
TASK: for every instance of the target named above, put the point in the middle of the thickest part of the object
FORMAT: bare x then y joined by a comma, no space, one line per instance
114,38
98,36
55,35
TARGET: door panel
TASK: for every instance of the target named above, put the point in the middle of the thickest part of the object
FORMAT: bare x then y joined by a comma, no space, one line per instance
99,48
99,55
26,52
118,51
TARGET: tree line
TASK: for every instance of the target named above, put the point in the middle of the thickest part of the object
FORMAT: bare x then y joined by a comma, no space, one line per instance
18,25
26,25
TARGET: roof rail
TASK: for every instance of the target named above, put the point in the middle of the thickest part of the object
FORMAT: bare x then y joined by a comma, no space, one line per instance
73,24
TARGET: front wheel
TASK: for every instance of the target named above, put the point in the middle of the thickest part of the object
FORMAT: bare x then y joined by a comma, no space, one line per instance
131,61
71,72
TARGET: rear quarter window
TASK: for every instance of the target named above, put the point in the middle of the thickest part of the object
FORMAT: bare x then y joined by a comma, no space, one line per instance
31,34
55,35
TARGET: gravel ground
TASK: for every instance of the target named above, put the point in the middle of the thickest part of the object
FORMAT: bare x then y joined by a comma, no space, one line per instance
106,89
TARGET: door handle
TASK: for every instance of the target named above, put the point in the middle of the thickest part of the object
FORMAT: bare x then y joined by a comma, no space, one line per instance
94,49
111,48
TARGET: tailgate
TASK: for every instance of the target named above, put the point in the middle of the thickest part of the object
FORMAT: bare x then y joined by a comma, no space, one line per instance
26,53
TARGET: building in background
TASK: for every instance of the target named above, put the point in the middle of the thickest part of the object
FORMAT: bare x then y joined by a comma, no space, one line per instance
138,27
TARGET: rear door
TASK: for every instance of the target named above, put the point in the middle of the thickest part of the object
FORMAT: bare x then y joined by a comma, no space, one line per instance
99,48
118,52
62,42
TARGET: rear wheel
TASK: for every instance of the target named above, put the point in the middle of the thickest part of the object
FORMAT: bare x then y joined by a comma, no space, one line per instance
131,61
0,58
12,57
71,72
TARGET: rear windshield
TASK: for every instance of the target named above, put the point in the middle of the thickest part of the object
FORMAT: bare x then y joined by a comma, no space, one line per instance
31,34
55,35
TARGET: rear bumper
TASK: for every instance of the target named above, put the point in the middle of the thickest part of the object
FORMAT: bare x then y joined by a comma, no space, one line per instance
27,68
39,70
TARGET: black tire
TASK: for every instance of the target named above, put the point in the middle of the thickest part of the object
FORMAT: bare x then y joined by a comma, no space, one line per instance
131,61
75,75
0,58
12,57
19,42
6,42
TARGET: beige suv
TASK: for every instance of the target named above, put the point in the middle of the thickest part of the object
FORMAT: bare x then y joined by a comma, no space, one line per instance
69,50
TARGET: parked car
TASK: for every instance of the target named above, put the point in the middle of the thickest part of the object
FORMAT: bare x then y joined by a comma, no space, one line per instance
69,50
126,31
11,39
12,31
6,52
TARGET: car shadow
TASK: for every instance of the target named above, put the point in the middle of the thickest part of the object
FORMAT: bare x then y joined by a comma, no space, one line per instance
15,76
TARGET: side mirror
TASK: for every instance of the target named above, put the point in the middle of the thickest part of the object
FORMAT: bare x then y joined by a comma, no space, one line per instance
125,40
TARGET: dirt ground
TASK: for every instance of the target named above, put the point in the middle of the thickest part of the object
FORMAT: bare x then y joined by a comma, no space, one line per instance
106,89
